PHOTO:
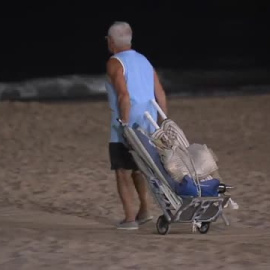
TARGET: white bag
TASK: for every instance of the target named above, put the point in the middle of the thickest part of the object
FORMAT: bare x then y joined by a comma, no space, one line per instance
203,159
177,162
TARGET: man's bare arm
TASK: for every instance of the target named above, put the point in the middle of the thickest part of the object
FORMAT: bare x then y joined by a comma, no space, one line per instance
115,72
160,95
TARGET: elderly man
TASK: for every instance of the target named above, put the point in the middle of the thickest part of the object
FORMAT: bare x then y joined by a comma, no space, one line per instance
132,84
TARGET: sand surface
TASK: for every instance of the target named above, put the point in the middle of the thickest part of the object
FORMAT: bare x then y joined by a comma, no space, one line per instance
58,200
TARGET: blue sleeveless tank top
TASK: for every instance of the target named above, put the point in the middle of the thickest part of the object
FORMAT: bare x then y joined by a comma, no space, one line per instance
139,75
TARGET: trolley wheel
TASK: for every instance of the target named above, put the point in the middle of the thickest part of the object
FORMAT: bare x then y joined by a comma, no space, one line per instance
163,226
204,227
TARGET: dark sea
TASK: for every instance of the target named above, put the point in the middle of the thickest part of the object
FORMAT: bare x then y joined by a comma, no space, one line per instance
188,82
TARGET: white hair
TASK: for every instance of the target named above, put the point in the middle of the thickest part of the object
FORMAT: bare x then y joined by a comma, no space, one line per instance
121,33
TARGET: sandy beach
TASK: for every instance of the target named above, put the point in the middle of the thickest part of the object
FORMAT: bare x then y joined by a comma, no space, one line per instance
58,199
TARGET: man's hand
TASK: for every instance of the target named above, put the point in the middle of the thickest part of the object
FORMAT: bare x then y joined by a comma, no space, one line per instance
116,74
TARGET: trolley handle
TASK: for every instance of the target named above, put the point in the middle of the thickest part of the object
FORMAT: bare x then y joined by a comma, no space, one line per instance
162,114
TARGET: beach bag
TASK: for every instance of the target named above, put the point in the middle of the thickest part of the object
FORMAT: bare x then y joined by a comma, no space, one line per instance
175,162
196,161
203,159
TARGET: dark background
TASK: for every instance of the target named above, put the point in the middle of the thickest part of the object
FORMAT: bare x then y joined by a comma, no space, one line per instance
46,40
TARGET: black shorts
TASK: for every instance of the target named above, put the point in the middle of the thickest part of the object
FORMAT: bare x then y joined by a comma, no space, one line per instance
121,158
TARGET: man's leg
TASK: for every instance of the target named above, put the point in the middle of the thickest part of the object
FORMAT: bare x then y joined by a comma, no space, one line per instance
125,190
141,188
